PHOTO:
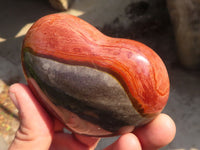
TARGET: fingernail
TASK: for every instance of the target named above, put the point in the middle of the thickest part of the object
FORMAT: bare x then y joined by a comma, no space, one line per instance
14,99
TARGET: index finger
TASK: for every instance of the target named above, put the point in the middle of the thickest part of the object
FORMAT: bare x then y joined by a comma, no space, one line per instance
158,133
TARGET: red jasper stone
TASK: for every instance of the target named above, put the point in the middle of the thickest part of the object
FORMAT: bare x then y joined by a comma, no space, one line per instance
94,84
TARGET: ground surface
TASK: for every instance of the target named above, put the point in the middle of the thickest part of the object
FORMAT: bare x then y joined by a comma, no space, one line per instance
135,19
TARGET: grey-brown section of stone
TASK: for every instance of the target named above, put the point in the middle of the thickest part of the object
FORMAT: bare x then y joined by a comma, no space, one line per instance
95,88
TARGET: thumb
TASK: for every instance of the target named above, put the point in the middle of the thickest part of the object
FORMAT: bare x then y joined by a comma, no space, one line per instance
36,127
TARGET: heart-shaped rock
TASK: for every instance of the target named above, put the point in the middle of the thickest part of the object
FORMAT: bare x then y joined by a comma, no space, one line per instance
94,84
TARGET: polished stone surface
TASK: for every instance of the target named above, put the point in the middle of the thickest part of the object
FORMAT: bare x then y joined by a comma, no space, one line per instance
110,85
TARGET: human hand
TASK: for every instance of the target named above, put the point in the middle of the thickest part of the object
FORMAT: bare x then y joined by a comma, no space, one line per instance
38,131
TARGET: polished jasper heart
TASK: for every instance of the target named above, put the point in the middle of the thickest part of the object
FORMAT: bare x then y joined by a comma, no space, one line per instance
94,84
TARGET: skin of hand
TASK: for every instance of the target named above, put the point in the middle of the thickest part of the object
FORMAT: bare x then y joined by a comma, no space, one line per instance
38,130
